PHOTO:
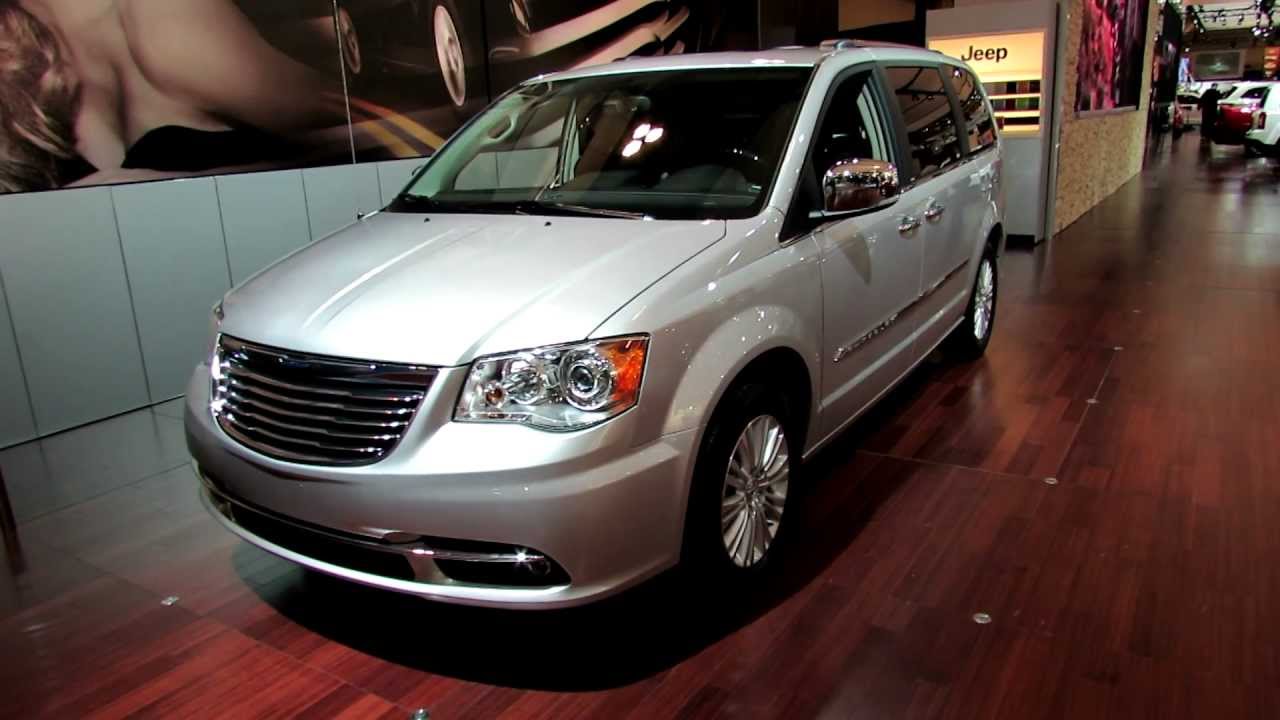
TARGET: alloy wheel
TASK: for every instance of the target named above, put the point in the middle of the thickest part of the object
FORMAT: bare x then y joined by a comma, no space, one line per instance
449,54
985,303
755,491
349,38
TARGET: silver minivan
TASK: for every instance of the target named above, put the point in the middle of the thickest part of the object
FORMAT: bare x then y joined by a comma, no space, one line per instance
599,331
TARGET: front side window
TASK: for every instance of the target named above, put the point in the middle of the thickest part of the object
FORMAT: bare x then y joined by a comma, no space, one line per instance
672,144
926,109
979,125
853,128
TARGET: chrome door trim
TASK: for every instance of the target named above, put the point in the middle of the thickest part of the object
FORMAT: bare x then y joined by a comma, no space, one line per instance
848,349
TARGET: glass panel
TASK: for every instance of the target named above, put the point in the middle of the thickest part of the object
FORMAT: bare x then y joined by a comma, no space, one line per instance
931,129
702,143
853,128
979,125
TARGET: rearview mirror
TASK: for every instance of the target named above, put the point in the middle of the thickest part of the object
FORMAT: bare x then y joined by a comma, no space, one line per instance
851,185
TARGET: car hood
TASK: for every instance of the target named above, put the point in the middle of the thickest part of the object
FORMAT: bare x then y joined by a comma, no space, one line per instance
444,289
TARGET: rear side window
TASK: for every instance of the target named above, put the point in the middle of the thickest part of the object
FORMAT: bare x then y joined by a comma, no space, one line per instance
1258,93
979,124
926,110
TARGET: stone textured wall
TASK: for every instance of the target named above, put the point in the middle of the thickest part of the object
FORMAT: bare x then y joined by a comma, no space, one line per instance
1097,154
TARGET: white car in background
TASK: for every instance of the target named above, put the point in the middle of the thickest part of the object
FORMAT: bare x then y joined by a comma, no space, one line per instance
1189,109
1264,135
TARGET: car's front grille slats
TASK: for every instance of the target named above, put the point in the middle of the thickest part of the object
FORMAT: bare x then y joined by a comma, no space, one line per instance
317,389
246,401
348,407
288,428
314,409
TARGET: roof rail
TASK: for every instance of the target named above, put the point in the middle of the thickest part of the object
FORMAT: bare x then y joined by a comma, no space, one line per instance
839,44
847,43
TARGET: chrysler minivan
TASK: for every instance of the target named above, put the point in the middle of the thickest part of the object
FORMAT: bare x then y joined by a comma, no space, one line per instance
599,331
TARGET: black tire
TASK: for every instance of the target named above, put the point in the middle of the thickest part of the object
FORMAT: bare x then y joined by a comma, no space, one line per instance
705,557
968,340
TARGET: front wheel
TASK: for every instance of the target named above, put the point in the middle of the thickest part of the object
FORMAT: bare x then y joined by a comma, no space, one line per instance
742,487
971,337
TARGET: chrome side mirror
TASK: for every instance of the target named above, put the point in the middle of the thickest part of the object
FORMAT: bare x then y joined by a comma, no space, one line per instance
859,185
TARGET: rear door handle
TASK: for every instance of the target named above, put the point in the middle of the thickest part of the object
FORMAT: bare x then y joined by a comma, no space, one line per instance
934,211
908,224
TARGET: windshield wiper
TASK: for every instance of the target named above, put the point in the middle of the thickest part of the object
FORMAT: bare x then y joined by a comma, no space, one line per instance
544,207
423,203
414,203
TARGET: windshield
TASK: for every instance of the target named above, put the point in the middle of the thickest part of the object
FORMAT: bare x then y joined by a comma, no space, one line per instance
671,144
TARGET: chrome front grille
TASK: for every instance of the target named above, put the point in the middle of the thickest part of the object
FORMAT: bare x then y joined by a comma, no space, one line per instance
313,409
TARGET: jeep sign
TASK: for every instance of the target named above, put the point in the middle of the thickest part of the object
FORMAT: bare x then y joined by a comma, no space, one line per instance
997,58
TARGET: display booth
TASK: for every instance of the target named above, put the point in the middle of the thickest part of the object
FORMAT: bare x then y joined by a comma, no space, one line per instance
1012,47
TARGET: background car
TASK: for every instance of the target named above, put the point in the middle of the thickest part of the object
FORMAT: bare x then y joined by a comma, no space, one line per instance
1264,135
1235,112
1189,108
417,69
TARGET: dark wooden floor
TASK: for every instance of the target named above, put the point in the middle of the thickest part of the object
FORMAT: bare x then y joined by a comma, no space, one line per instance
1135,363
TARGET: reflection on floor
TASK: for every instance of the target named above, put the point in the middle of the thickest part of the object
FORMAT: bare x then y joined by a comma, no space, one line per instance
1134,362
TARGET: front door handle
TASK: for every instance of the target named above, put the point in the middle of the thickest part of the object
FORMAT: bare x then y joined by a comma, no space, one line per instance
908,224
934,211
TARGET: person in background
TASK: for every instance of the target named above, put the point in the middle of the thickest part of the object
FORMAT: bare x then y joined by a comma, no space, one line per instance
110,90
1209,112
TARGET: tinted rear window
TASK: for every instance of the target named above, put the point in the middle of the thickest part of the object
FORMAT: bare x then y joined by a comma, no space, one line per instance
979,125
926,109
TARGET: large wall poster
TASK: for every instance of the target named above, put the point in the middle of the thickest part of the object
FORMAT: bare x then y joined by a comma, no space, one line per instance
1110,63
155,89
1217,65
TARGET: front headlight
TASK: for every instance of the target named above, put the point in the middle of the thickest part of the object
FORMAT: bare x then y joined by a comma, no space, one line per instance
563,387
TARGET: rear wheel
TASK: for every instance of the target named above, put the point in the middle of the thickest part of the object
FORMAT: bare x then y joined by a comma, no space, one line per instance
736,523
971,337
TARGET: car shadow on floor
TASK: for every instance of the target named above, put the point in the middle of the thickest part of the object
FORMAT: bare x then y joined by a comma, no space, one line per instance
620,640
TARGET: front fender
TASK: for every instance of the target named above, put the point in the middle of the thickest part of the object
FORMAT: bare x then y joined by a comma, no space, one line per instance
708,321
729,349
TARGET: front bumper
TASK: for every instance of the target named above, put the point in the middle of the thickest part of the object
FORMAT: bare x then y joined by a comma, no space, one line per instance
608,511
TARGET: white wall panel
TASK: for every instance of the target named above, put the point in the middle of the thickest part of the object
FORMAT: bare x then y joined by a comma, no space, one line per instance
69,299
173,248
393,175
331,198
264,216
16,422
368,195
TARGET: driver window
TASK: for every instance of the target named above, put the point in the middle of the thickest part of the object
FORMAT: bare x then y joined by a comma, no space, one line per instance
854,127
